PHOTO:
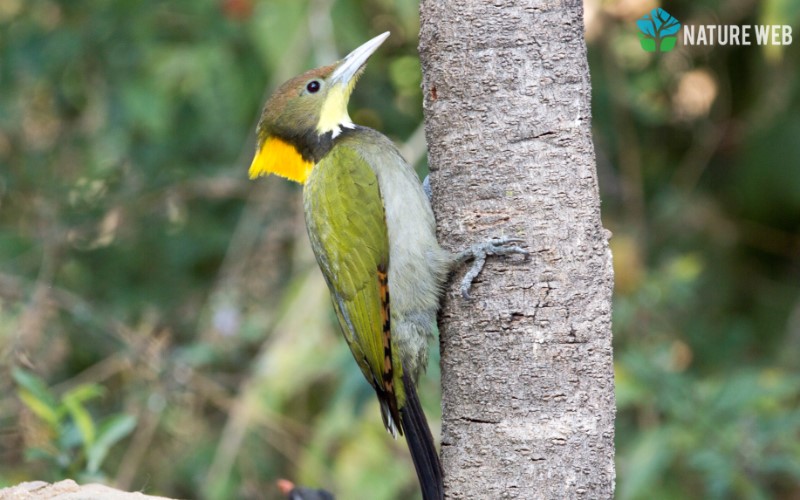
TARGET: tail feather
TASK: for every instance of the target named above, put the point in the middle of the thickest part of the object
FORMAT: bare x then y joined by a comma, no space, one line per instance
420,444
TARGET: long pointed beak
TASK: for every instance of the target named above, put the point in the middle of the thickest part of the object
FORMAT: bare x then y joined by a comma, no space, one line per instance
355,61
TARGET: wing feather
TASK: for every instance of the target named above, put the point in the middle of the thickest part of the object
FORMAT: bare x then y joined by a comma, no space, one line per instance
346,223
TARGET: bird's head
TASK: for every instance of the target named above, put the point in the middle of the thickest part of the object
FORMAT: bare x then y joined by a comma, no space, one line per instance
304,116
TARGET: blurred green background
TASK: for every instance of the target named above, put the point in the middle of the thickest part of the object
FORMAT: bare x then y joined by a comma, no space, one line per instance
163,326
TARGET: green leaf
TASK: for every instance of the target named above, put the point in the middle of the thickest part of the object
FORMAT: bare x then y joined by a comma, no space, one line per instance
111,431
83,420
34,394
39,407
84,392
33,385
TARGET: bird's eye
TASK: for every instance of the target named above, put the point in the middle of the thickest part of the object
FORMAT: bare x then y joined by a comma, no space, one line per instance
313,86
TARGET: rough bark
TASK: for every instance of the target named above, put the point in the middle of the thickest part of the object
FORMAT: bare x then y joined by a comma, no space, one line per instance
527,373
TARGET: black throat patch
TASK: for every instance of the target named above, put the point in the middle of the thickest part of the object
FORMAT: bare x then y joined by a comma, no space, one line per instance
311,145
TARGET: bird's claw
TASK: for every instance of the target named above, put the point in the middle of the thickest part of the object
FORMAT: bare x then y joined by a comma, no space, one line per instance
478,253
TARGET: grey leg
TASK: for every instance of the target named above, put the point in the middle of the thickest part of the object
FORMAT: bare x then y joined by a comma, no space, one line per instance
478,253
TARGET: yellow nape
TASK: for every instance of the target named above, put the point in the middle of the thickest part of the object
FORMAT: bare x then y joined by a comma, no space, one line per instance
280,158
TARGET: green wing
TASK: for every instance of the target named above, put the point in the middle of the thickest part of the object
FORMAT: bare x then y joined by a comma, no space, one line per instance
347,228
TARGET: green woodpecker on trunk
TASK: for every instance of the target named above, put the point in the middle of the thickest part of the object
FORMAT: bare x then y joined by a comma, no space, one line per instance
374,237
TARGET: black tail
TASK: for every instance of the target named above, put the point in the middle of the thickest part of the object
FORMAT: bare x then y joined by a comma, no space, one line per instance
420,444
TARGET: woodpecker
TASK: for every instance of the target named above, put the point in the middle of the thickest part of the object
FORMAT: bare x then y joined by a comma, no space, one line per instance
373,233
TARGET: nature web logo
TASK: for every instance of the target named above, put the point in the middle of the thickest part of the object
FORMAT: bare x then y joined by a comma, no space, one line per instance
658,31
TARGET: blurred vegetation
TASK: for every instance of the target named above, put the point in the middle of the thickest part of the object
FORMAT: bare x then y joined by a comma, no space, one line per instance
700,176
162,323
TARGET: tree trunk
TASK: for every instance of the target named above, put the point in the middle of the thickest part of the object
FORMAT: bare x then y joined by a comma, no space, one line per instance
527,373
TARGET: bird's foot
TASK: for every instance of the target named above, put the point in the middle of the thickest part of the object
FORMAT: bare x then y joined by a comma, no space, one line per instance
478,253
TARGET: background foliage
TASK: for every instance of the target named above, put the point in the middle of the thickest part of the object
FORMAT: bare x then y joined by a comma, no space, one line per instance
163,326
